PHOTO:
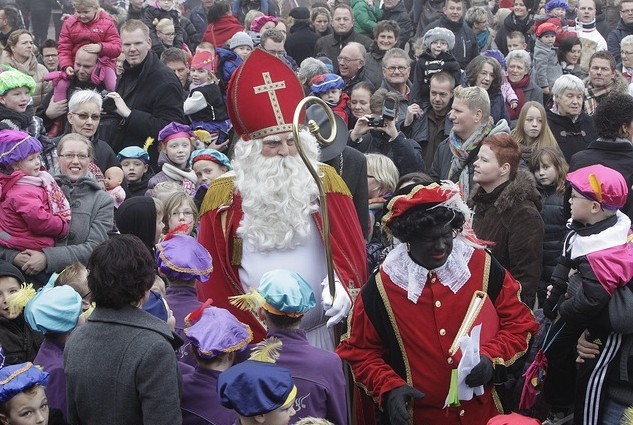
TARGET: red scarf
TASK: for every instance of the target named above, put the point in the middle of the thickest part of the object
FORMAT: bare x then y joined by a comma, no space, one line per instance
518,90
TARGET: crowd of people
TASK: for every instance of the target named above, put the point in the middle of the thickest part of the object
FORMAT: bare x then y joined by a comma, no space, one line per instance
164,254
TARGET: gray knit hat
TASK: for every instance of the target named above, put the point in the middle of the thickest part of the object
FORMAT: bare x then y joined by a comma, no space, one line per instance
240,39
439,33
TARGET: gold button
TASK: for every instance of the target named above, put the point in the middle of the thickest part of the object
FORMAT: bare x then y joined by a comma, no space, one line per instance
450,360
438,304
461,412
442,332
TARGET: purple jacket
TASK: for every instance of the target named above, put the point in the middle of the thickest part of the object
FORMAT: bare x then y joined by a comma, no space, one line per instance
51,358
200,401
183,300
317,374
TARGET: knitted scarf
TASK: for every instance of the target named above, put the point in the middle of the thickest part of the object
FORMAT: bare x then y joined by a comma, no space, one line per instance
518,90
461,149
57,201
593,94
482,37
188,179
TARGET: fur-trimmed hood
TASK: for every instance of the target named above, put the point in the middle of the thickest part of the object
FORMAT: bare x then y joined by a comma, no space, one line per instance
504,197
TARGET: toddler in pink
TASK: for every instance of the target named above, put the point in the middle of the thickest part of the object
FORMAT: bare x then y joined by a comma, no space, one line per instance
33,209
93,30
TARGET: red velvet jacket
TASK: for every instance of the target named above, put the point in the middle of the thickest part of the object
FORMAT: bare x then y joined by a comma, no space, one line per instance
221,214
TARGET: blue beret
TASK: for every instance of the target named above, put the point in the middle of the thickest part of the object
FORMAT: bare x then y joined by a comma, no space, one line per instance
156,306
287,292
16,378
254,388
53,309
210,155
133,152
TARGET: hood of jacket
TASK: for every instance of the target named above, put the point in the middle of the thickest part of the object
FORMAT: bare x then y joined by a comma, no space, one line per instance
522,188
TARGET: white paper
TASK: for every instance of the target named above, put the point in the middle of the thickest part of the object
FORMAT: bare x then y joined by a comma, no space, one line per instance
470,358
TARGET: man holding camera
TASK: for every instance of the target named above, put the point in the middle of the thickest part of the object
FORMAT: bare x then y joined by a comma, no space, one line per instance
377,133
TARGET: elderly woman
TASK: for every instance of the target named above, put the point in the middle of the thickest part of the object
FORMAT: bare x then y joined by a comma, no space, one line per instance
137,353
507,209
569,51
572,128
321,21
472,122
519,65
309,68
614,149
477,19
386,36
84,115
18,53
433,275
626,53
485,72
92,213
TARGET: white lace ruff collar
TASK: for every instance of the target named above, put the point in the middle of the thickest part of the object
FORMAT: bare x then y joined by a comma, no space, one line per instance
411,277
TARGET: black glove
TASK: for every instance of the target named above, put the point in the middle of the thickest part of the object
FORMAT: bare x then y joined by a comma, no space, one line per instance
550,305
397,404
481,374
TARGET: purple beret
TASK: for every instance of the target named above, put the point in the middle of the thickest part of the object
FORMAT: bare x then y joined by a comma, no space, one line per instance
217,331
174,130
16,146
181,257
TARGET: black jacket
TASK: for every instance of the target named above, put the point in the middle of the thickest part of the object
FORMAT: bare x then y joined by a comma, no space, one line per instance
572,136
154,94
510,24
616,154
301,41
466,47
615,37
401,16
19,342
331,45
555,231
405,153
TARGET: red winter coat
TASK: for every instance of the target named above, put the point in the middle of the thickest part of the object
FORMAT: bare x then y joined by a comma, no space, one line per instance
220,32
75,34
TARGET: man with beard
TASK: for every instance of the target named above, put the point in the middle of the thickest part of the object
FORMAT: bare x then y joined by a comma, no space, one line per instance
264,216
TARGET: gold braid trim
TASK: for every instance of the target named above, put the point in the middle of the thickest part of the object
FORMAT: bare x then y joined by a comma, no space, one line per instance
20,371
220,193
332,182
236,347
179,269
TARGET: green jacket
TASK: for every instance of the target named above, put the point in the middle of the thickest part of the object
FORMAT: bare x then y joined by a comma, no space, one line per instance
365,17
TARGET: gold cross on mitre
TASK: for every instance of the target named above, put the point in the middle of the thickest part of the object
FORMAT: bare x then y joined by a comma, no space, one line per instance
271,88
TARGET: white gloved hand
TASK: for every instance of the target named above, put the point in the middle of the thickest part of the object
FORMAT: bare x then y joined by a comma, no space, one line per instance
338,309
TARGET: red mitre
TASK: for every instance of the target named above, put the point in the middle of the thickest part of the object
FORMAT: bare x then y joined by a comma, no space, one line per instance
262,96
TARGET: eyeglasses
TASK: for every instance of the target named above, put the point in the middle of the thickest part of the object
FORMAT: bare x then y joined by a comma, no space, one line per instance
393,69
84,117
185,213
343,59
625,53
71,156
85,297
168,34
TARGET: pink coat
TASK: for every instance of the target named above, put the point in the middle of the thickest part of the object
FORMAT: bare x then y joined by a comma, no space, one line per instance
26,221
74,34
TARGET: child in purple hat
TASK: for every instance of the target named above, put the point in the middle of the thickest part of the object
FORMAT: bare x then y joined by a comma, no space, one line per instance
599,254
216,337
183,262
35,210
175,147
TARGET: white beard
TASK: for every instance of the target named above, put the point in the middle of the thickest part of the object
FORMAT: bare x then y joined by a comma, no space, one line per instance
278,195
